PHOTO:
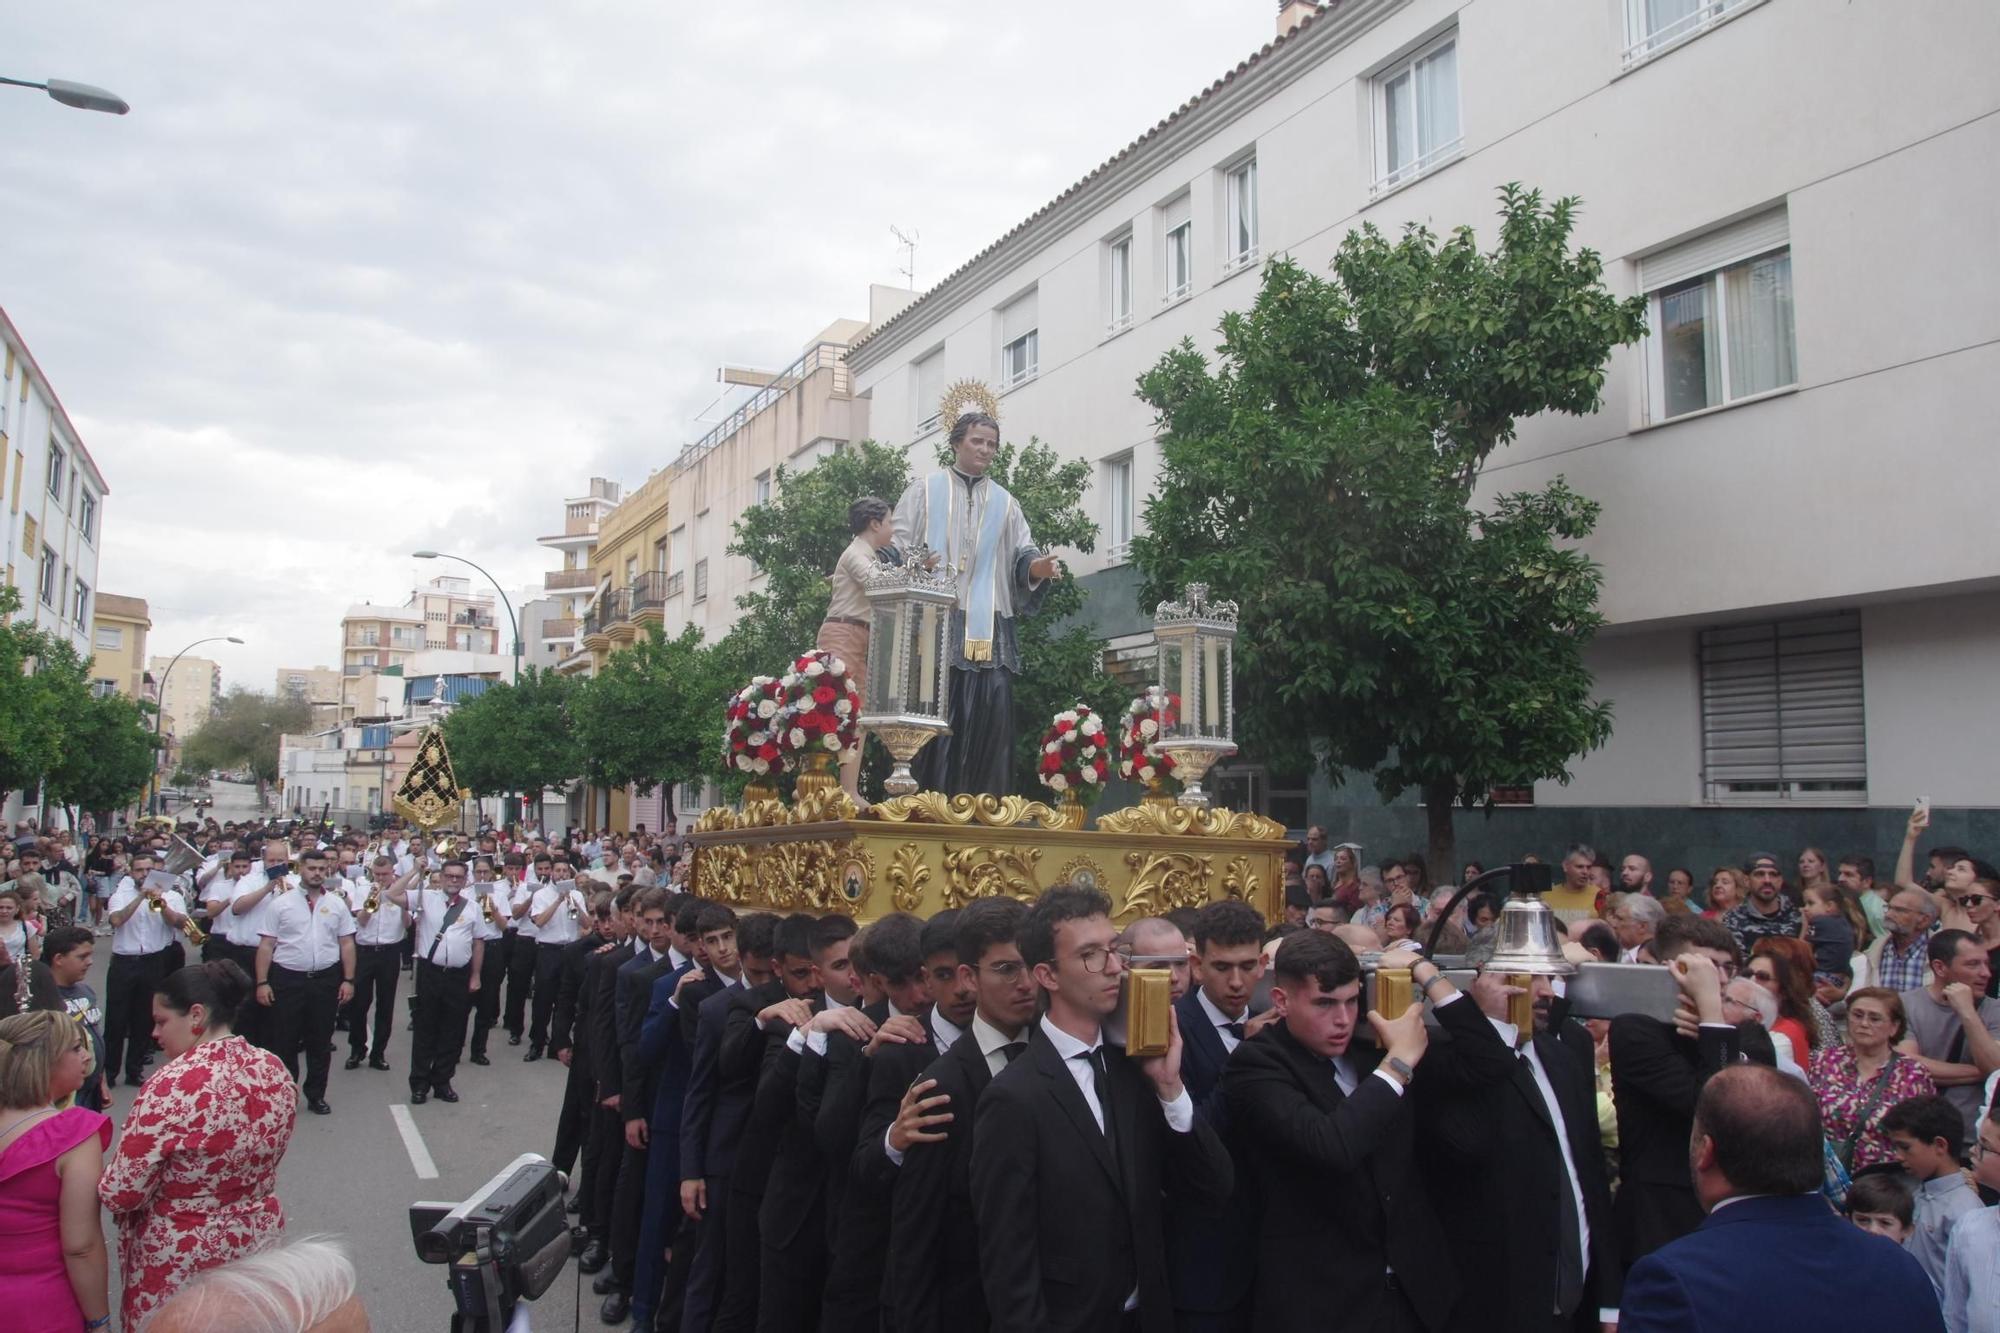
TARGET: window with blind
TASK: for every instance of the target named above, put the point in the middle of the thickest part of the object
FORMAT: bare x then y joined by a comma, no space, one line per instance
1721,317
928,381
1020,350
1782,712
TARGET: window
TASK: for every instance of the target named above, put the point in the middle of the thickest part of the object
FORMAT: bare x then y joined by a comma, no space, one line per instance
1118,508
1240,216
79,607
103,689
109,637
86,518
50,588
660,556
56,462
1020,352
929,380
1118,279
1721,318
1416,114
1654,26
701,580
763,488
1180,262
1781,711
631,570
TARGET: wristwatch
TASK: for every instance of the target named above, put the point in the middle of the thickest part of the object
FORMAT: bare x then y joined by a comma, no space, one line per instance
1400,1069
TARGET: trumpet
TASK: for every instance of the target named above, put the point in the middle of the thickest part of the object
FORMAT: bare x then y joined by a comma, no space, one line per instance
373,903
196,936
486,903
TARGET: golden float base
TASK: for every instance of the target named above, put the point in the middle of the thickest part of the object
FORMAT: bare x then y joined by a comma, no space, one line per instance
928,852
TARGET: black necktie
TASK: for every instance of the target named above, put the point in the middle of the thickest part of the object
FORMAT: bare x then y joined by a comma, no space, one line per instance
1234,1030
1569,1252
1012,1050
1100,1078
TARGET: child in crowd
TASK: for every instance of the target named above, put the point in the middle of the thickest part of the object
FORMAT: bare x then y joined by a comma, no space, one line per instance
1928,1133
1883,1202
1831,934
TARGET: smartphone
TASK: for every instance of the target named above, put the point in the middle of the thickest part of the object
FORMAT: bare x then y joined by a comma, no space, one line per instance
1924,804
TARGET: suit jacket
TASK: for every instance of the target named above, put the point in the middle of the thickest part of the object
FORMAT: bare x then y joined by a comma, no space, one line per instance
933,1279
1211,1252
792,1213
634,997
740,1066
665,1059
1656,1075
1304,1143
564,1031
709,1126
1778,1262
600,979
1512,1268
1068,1227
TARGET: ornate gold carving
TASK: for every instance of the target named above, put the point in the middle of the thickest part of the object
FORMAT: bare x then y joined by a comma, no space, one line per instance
799,876
822,806
962,397
723,872
1240,881
930,807
854,873
976,871
1162,881
907,877
1081,870
1184,821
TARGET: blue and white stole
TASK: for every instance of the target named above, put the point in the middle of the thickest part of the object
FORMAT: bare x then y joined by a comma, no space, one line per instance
943,498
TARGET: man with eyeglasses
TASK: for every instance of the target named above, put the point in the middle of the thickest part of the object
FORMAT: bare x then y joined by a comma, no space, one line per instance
1323,917
1900,960
449,957
1076,1144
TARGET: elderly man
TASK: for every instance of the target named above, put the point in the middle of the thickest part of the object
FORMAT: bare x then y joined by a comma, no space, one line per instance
1317,852
309,1285
1634,917
1755,1156
1900,960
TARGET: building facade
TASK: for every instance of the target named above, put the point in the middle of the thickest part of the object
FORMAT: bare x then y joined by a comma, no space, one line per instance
444,620
188,694
317,687
573,586
1796,648
119,626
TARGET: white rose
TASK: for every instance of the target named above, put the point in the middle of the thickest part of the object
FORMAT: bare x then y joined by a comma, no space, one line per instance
1149,728
1147,772
1057,782
815,669
841,708
1089,751
761,765
832,742
836,666
767,707
1052,747
1070,716
797,737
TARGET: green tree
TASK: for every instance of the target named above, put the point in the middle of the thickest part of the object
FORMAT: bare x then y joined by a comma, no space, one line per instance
108,757
652,715
44,686
1321,472
517,737
244,732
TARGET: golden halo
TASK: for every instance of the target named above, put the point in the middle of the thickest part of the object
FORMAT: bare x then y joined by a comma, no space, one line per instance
962,397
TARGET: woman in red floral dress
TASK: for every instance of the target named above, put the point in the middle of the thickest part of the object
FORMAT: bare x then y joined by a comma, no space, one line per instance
191,1183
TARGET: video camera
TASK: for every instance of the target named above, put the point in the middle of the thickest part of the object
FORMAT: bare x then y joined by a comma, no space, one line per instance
505,1244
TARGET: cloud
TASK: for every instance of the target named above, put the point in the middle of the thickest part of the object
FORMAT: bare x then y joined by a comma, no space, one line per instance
354,280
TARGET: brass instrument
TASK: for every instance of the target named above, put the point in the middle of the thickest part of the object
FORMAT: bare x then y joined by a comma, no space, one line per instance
196,936
486,904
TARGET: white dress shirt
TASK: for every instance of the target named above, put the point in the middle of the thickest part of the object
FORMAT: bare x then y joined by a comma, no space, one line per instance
246,929
517,894
383,926
483,895
145,931
431,906
1074,1053
801,1040
567,923
1221,1020
308,930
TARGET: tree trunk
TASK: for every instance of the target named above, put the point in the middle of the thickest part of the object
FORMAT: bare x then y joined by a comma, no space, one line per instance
1440,798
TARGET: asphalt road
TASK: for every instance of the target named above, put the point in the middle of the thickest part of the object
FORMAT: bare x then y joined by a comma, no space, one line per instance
353,1174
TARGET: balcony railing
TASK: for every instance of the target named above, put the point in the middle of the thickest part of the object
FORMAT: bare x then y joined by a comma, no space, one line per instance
476,619
562,627
648,592
559,580
612,608
818,357
675,582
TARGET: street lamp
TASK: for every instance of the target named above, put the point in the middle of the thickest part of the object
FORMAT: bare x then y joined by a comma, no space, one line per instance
512,623
82,96
168,675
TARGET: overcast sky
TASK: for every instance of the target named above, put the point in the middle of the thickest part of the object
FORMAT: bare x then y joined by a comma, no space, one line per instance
355,280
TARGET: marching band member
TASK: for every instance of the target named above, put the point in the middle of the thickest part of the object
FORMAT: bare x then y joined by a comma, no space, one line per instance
449,955
144,920
557,910
305,972
491,928
379,927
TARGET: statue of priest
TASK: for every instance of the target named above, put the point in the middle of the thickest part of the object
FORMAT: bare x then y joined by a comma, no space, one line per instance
969,521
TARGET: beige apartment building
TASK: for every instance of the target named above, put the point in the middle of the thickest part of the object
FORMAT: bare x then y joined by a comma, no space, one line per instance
317,686
571,586
442,616
118,630
188,694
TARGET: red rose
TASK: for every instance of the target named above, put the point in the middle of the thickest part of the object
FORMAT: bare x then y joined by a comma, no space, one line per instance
824,695
768,750
1064,728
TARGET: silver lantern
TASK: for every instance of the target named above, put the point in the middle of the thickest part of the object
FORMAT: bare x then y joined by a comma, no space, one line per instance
1196,657
906,704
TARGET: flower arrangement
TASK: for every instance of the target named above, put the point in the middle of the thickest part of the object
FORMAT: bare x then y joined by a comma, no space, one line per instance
818,708
750,740
1147,717
1076,754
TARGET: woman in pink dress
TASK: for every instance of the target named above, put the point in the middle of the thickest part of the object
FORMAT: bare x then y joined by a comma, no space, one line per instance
191,1183
53,1272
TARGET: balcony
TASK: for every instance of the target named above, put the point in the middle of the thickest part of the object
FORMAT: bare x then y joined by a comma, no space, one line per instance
476,619
648,596
564,580
601,627
830,358
559,627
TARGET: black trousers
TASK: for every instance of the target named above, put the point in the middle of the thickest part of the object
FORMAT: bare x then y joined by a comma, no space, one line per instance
573,1123
303,1007
548,976
486,1004
253,1020
602,1153
742,1252
378,968
791,1280
444,999
977,754
628,1212
520,980
709,1275
128,1010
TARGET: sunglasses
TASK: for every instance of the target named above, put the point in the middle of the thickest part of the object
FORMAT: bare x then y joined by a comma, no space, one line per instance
1971,898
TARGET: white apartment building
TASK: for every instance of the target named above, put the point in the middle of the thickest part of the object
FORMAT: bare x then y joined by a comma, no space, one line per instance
1796,466
444,627
560,633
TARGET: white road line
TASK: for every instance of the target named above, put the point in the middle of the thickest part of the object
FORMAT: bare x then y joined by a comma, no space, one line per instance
413,1142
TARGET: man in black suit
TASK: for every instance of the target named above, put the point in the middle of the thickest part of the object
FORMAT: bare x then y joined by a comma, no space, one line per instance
712,1122
1326,1130
632,993
1556,1252
566,1035
1211,1254
928,1006
933,1282
1075,1145
1657,1073
605,1146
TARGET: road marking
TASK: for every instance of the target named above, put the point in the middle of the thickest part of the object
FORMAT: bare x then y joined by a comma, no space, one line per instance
413,1142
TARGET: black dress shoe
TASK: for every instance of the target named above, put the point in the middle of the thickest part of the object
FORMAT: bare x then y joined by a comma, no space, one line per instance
513,1039
595,1255
418,1096
604,1283
616,1307
377,1062
353,1062
534,1054
574,1206
479,1058
319,1107
443,1092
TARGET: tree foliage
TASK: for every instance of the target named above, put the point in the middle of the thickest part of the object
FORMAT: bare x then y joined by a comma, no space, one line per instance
653,715
516,737
244,733
108,757
51,728
1320,474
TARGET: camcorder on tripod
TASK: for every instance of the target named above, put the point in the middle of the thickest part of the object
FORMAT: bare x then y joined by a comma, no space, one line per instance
506,1244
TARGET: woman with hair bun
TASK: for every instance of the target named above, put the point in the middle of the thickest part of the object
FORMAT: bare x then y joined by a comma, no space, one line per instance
191,1184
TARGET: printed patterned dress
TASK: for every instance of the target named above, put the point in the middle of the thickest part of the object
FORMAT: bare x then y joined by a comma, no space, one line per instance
191,1182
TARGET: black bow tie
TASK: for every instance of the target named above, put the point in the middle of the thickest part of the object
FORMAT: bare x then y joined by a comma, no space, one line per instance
1234,1029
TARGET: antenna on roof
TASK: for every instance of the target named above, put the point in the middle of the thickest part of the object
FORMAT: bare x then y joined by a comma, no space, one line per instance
907,243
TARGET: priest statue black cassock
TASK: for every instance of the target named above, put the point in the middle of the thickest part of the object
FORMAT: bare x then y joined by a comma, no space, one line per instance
971,523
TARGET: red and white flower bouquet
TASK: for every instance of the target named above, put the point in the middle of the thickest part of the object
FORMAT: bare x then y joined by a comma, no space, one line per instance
1147,718
819,708
1076,754
750,740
